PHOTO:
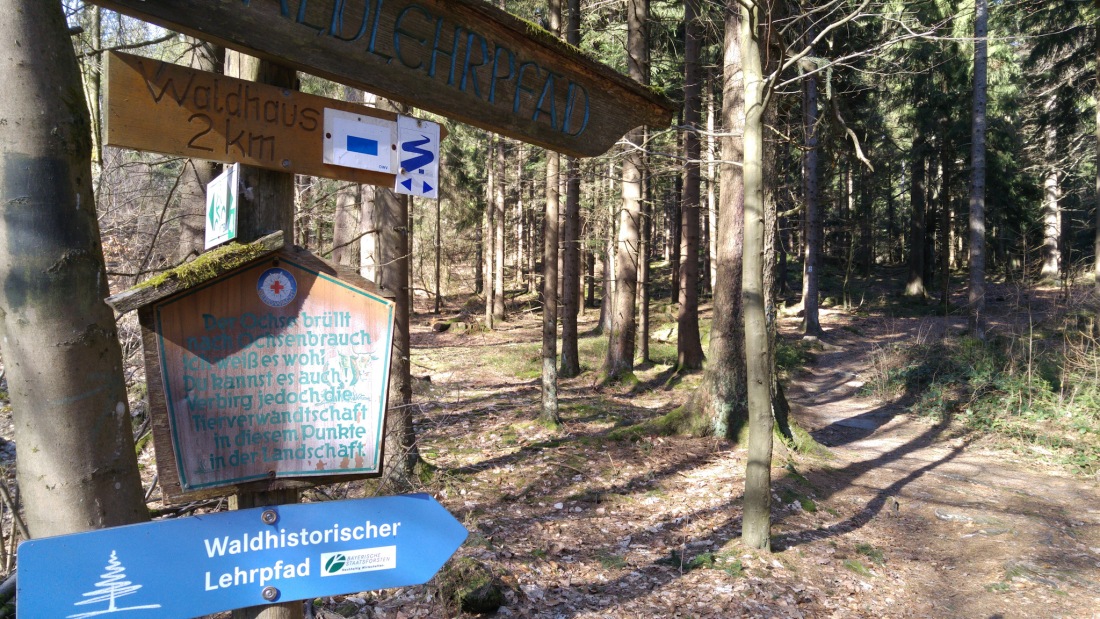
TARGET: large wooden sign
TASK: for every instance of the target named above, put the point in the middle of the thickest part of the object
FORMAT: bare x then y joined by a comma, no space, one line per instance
464,59
277,369
175,110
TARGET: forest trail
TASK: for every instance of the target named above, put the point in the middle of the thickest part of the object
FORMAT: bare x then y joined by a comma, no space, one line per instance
969,530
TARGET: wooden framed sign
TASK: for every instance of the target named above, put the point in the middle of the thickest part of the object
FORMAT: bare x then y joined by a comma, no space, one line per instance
465,59
277,369
166,108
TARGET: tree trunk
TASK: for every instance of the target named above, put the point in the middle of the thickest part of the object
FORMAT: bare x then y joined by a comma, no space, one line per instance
1096,241
674,222
946,161
866,223
550,414
719,402
488,243
645,247
620,350
498,234
550,293
401,451
571,262
76,465
522,247
369,225
712,188
439,254
914,286
811,174
197,173
1052,215
756,518
345,221
688,347
976,296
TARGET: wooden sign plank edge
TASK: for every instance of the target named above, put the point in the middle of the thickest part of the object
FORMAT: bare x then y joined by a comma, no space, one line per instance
207,266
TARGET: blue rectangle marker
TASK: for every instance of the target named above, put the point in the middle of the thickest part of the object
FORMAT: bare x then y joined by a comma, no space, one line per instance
364,146
187,567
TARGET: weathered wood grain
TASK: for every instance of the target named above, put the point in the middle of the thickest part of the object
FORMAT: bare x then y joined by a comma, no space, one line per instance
464,59
166,108
166,439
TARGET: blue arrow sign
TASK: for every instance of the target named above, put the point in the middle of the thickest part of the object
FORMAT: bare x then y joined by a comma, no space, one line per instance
206,564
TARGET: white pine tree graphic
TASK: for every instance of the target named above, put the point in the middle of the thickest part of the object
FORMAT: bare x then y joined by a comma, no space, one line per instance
113,586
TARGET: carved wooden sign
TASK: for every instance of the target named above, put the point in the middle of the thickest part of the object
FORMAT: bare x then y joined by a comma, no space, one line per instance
166,108
464,59
277,369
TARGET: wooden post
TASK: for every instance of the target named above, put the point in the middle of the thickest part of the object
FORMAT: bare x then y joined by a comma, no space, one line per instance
438,249
267,205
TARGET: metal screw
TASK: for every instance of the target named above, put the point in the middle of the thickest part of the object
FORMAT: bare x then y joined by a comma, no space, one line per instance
286,163
269,516
270,594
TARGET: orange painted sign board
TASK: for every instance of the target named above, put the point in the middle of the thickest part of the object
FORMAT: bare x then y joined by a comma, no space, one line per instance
276,370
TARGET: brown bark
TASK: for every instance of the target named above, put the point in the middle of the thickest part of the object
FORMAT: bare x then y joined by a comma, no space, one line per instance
498,233
620,351
756,519
976,296
76,466
571,261
914,286
689,350
488,244
811,175
550,414
719,403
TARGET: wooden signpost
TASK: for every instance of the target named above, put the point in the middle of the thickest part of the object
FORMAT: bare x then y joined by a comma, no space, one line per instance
272,369
175,110
267,367
464,59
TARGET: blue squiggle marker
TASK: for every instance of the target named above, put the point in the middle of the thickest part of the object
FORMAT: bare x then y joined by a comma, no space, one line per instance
423,157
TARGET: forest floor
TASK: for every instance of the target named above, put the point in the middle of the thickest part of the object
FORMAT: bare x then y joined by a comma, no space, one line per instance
898,517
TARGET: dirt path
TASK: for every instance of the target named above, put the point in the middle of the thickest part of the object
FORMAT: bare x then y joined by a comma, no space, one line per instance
902,519
970,531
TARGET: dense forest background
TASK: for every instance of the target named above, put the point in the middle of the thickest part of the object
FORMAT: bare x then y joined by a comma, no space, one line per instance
899,137
865,161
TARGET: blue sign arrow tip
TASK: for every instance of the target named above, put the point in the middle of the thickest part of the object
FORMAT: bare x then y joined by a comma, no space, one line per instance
407,184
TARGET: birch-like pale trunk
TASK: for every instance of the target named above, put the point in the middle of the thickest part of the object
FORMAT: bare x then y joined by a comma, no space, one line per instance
756,518
976,293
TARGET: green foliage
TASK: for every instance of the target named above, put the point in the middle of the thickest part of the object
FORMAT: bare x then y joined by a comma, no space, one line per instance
611,561
1042,395
872,553
724,561
856,566
672,423
791,356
